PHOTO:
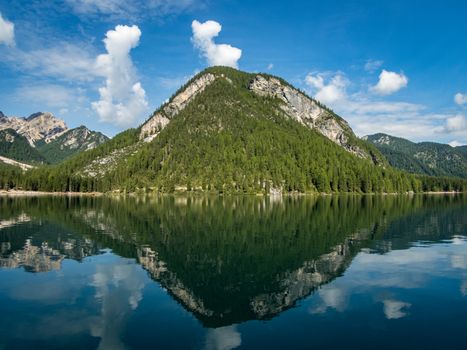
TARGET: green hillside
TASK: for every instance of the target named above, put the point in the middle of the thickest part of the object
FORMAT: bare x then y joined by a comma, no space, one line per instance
17,147
229,139
70,143
427,158
463,150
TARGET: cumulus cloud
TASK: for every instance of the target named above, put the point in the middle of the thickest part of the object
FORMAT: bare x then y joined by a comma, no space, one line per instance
455,124
460,99
330,92
122,99
389,83
216,54
7,32
372,65
368,113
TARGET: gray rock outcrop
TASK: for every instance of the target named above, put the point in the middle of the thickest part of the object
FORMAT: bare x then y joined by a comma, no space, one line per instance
307,112
38,126
159,120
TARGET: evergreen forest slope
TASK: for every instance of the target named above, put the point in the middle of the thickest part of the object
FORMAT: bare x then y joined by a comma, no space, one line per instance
228,131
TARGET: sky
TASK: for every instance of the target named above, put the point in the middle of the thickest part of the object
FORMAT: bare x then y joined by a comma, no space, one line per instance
398,67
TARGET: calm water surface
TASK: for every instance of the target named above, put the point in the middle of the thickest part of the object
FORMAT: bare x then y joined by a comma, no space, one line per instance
361,272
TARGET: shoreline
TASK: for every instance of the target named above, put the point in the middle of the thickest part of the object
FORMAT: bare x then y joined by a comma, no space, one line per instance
22,193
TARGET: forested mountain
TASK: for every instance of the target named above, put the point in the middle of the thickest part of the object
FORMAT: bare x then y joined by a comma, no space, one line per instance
17,147
228,131
42,138
462,149
427,158
70,143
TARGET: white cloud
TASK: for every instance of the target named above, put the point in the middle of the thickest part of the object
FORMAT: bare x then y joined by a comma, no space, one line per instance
122,99
49,95
7,32
331,298
224,338
216,54
455,143
455,124
65,61
368,114
459,261
389,83
394,309
373,65
270,66
135,9
119,289
460,99
331,92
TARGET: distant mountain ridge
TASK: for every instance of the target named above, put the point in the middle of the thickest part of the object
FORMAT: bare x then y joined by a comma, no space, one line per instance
429,158
40,126
71,142
42,138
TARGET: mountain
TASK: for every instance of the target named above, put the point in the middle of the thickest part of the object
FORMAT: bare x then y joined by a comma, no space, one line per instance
73,141
37,127
462,149
228,131
427,158
43,138
16,146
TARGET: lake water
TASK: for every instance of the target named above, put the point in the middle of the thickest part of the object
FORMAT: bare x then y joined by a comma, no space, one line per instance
363,272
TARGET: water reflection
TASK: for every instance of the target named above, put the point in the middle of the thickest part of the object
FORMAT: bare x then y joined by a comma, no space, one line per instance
223,338
119,288
224,260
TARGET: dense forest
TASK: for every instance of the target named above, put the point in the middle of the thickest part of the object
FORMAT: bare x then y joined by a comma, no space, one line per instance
227,140
428,158
17,147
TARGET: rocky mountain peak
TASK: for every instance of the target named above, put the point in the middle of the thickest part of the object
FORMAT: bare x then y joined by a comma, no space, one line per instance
38,126
296,105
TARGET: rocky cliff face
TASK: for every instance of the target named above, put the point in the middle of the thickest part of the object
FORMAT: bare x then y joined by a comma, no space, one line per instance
43,138
160,119
36,127
296,105
307,112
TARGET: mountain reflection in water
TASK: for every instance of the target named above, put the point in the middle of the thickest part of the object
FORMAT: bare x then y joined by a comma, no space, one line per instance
226,261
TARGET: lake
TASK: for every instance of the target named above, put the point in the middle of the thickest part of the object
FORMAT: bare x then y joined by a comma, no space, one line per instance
363,272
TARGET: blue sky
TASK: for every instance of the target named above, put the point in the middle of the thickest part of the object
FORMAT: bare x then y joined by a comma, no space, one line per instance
398,67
